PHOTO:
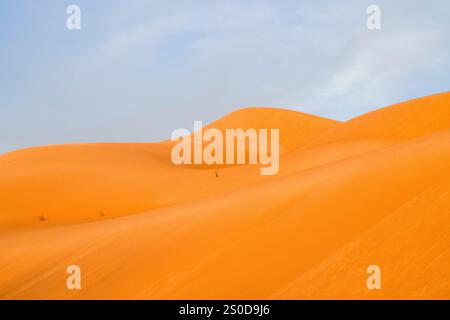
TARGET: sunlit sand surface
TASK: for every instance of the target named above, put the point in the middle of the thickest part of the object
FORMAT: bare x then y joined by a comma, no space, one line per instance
372,190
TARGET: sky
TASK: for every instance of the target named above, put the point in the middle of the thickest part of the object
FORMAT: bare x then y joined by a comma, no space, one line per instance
137,70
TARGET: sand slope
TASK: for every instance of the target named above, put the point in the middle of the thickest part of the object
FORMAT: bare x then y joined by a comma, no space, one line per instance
86,182
373,190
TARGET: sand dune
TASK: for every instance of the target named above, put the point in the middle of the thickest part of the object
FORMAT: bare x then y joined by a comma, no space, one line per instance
372,190
75,183
296,128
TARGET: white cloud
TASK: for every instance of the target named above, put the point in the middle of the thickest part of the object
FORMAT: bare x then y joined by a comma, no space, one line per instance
150,33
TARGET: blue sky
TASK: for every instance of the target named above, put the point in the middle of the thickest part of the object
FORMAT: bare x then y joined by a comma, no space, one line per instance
137,70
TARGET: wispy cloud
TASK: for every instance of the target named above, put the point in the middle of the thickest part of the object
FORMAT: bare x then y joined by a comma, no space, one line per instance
138,70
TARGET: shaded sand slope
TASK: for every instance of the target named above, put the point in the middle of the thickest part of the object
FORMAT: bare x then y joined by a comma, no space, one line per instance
337,206
86,182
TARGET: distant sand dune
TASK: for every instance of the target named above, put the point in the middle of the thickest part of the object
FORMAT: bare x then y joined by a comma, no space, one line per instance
372,190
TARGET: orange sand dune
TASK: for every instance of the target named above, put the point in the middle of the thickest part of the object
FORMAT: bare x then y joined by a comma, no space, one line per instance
87,182
296,128
75,183
373,190
399,122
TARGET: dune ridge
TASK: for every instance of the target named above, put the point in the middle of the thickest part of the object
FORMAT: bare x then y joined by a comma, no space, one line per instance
372,190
